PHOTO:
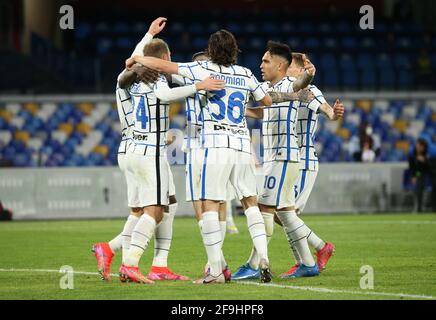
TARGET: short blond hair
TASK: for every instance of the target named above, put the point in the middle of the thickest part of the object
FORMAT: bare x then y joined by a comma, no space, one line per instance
156,48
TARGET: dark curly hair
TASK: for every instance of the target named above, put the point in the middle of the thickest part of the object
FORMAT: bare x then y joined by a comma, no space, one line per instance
223,48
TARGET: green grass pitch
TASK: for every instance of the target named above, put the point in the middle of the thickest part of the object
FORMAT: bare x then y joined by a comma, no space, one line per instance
399,248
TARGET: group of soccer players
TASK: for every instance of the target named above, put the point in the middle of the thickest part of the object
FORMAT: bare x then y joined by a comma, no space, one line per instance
216,92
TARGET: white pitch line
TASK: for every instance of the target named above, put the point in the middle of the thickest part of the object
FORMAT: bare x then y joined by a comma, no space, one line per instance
327,290
402,222
301,288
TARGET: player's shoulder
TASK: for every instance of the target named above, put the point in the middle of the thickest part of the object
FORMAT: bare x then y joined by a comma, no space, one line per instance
243,71
315,90
290,79
140,88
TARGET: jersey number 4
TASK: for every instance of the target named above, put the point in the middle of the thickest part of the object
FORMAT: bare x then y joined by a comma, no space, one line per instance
141,114
236,100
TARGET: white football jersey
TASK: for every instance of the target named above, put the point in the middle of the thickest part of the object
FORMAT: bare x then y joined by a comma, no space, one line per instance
124,102
280,140
151,121
193,113
125,111
224,123
306,129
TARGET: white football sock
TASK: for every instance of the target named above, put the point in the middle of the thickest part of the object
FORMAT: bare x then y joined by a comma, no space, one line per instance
294,250
116,243
229,213
163,237
256,227
268,219
313,240
127,234
141,235
211,233
223,226
294,227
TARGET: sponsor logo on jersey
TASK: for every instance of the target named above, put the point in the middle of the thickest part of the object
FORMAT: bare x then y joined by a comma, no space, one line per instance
140,137
222,127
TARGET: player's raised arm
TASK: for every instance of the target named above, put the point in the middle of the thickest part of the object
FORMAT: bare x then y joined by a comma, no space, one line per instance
160,65
307,77
155,28
333,113
167,94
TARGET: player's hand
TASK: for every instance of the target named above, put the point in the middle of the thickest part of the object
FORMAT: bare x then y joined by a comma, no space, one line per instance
130,63
309,67
305,95
338,109
210,84
157,26
145,74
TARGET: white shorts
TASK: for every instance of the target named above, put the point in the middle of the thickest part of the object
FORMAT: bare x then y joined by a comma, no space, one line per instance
194,160
231,192
303,188
171,187
122,162
148,180
221,166
280,178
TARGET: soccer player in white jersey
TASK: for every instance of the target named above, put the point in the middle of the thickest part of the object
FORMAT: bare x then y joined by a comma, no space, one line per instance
194,155
146,160
104,252
306,128
281,157
226,141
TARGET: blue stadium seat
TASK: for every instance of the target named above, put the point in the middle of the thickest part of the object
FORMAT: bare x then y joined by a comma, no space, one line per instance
384,61
330,42
402,60
368,77
306,27
368,43
330,77
196,28
312,43
349,43
328,60
82,31
104,45
121,27
365,60
346,62
234,27
200,43
102,27
403,43
405,78
387,78
269,28
124,43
